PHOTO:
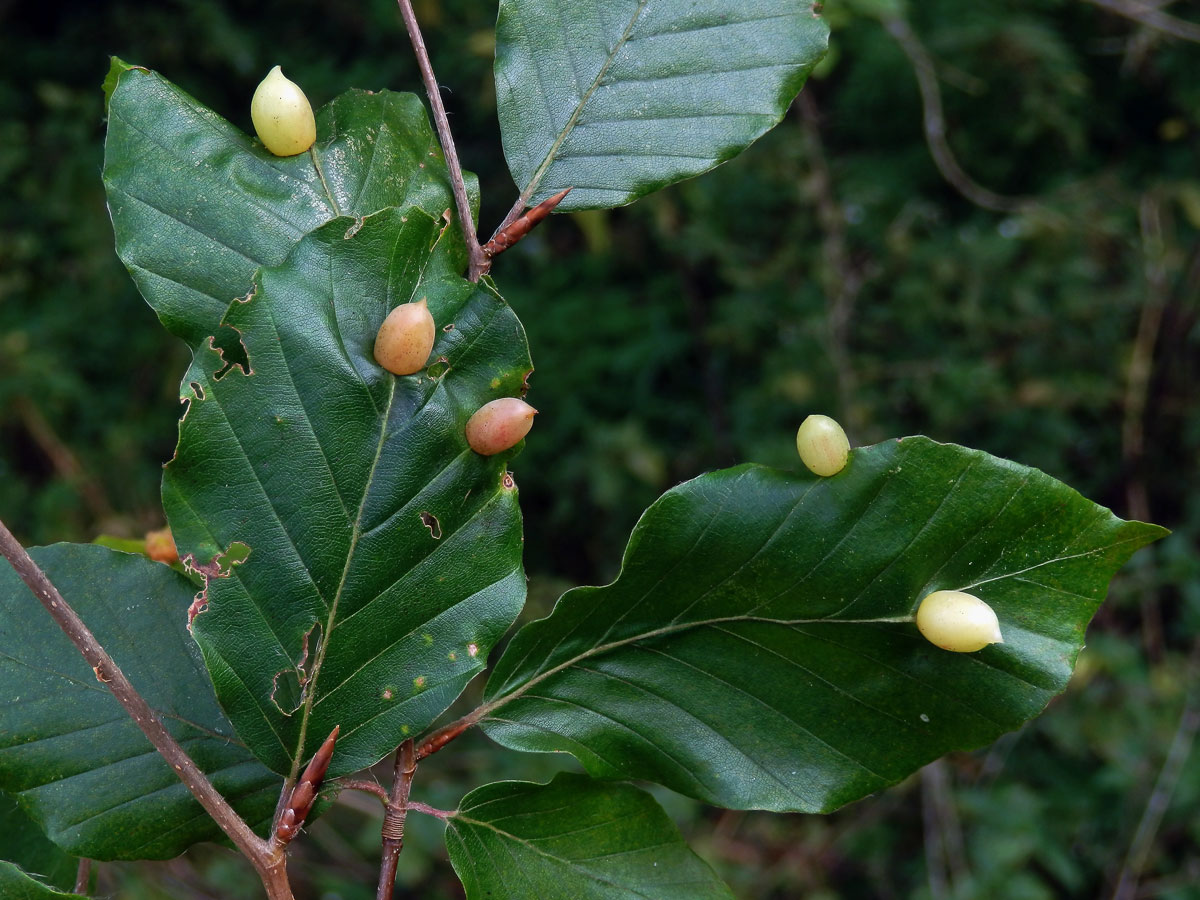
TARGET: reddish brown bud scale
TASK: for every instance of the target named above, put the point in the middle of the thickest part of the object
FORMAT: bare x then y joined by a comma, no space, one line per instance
305,792
499,425
513,232
406,338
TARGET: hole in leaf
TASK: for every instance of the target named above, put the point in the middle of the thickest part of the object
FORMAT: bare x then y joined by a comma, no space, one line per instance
430,521
220,566
438,368
287,690
228,343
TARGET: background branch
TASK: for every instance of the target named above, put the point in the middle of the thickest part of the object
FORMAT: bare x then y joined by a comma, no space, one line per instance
478,262
935,124
1151,17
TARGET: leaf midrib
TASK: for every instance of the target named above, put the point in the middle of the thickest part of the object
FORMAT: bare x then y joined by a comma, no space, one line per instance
310,689
565,131
558,860
485,710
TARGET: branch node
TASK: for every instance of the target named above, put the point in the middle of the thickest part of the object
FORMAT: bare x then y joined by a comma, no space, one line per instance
509,234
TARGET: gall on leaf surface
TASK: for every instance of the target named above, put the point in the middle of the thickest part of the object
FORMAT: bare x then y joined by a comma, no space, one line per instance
351,608
198,205
758,649
621,98
573,839
70,755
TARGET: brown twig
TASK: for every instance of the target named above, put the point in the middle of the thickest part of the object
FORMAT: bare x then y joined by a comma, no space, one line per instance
1137,388
935,124
393,818
944,852
518,207
428,810
842,280
1160,796
268,864
445,735
83,876
1151,17
367,787
63,458
511,232
478,262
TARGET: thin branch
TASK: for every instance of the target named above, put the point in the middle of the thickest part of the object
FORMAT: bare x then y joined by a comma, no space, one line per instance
367,787
443,736
83,876
1151,17
1137,389
64,460
268,864
1160,796
478,263
935,124
842,281
513,214
943,832
393,818
430,810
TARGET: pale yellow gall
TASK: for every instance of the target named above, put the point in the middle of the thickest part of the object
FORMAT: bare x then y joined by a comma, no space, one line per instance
498,425
282,115
823,446
957,621
405,339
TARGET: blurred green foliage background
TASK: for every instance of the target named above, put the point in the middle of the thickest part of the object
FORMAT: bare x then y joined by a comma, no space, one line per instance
1050,317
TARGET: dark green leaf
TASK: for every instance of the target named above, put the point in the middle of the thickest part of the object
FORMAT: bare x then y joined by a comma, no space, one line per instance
621,98
197,205
16,885
68,751
573,839
382,557
25,845
758,651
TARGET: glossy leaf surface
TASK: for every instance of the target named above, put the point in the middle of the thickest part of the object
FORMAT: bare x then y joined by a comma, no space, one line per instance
621,98
573,839
380,558
758,650
70,753
197,205
17,885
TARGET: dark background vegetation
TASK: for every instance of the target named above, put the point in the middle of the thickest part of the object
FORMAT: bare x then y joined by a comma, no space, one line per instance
831,268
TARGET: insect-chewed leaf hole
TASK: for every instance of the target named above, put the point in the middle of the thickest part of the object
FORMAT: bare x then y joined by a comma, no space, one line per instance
228,343
430,521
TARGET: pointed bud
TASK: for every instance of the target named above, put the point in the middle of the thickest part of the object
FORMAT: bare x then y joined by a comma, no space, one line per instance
823,446
498,425
305,791
959,622
405,339
282,115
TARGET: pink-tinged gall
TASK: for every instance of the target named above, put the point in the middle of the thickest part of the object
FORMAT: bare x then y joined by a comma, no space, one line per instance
499,425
